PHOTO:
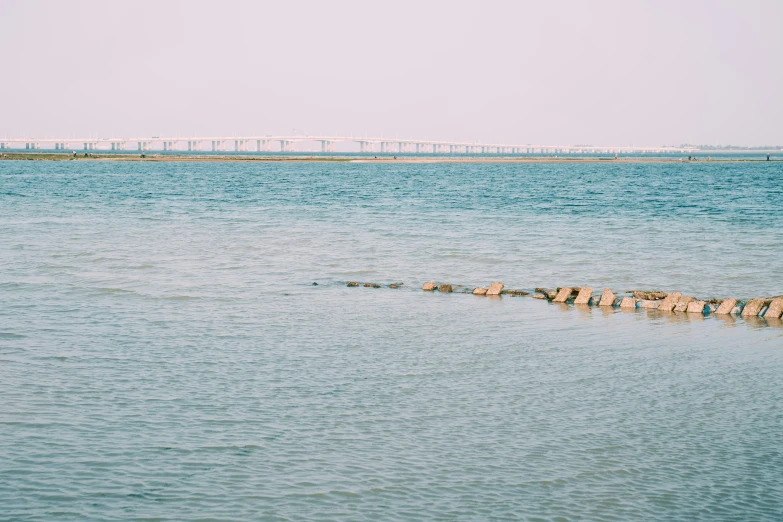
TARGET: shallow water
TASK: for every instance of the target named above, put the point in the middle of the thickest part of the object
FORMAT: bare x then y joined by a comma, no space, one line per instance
164,353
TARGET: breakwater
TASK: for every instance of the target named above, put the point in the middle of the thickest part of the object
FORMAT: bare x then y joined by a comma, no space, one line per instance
770,308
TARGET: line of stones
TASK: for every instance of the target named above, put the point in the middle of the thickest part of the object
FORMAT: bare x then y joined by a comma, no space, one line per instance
494,288
770,307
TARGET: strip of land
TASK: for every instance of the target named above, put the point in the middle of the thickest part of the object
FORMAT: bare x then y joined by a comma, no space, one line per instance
51,156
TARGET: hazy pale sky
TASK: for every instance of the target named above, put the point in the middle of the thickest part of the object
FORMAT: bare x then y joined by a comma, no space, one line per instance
554,72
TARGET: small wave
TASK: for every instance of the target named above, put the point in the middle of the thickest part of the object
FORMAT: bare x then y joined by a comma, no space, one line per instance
116,291
9,335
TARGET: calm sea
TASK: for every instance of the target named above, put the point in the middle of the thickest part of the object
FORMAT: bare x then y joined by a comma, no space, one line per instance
164,354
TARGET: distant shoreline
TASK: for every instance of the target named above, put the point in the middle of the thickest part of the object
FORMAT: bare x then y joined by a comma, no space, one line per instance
50,156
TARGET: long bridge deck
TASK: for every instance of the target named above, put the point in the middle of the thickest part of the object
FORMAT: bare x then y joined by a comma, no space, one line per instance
327,143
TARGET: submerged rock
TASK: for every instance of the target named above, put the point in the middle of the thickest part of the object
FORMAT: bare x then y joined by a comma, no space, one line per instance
682,303
726,306
607,298
539,296
562,295
495,289
649,295
696,307
428,287
585,293
445,288
775,309
549,294
628,302
670,301
353,283
752,308
514,293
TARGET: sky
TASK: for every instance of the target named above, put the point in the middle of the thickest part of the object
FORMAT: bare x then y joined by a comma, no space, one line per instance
557,72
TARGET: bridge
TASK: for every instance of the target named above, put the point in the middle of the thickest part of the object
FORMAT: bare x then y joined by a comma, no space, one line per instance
327,144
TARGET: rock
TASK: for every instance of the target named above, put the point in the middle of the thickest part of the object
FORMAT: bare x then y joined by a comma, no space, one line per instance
375,285
495,289
682,303
711,308
650,304
353,283
752,308
393,286
550,294
480,291
775,309
428,287
367,285
696,307
563,295
315,284
514,293
585,293
628,302
446,288
670,301
539,296
607,298
726,307
737,310
649,295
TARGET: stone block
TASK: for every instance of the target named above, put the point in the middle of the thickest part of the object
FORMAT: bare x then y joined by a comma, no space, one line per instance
607,298
649,304
585,293
669,302
628,302
539,296
495,289
428,287
696,307
775,309
682,303
563,295
480,291
446,288
726,306
752,308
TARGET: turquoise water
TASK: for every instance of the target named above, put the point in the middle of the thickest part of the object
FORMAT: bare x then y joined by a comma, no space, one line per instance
165,355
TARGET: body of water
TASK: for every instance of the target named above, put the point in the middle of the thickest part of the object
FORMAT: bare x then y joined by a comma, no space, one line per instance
164,354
